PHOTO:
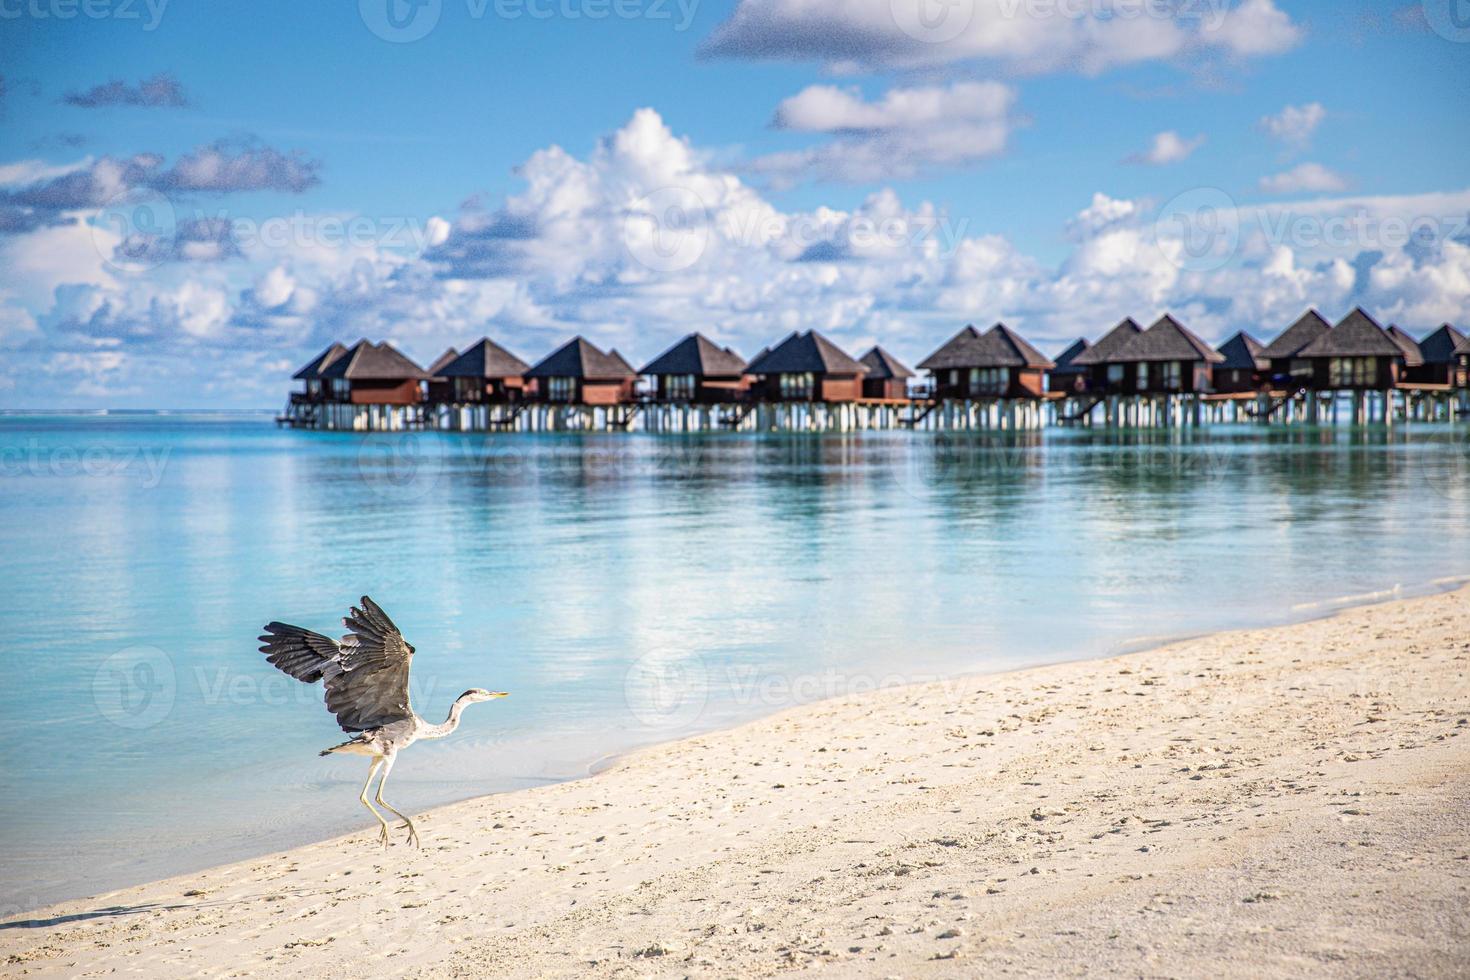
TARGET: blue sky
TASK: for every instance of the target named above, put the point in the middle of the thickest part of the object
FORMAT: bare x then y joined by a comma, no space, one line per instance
174,178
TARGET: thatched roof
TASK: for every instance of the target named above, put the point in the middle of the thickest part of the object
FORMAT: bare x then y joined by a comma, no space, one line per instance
1463,347
1066,360
1413,357
883,366
1167,340
367,361
436,369
1243,353
696,354
1356,335
485,359
1439,347
316,365
578,358
1111,343
1000,346
805,352
1308,327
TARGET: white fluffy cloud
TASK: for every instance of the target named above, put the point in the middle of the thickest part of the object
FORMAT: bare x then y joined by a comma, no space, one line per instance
1305,178
1295,125
905,132
1019,36
643,240
1166,148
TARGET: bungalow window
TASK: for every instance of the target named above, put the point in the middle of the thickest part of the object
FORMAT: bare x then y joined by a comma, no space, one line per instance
1300,368
313,387
467,389
1352,372
1115,374
340,389
679,386
1171,376
989,381
1143,375
797,386
561,389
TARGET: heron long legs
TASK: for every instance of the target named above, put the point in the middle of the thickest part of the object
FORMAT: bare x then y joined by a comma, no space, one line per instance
373,771
413,834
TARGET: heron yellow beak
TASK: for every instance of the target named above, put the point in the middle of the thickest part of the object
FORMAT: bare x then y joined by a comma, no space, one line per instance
500,694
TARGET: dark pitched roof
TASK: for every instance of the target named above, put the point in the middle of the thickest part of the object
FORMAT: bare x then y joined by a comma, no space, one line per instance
367,361
883,366
485,359
1463,347
1167,340
696,354
1413,357
1243,353
1000,346
1356,335
317,364
803,352
1439,347
1066,358
579,359
1308,327
1113,341
435,370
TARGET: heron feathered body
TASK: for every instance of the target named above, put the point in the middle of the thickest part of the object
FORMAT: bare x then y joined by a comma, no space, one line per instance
366,680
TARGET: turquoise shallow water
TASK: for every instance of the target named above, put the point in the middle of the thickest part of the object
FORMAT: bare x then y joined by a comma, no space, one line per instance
625,588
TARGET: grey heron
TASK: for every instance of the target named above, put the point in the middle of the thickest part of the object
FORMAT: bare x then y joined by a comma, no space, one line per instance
366,679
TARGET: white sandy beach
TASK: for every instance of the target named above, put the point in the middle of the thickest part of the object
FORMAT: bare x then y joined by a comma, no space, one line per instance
1281,802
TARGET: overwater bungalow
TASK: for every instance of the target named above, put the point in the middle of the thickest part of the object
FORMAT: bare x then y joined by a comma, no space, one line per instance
1437,353
1167,358
998,363
373,374
699,371
1104,374
1462,354
1244,368
578,373
1287,368
437,388
485,373
1413,357
313,387
887,376
1067,375
807,367
1357,353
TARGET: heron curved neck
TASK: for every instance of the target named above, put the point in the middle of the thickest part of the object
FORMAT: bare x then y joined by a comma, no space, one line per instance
450,723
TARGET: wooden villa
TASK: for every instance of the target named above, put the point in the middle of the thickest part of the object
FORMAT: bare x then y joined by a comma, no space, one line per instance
1244,368
374,374
1413,362
1288,369
1105,375
1462,375
697,370
485,373
887,377
1068,376
998,363
1438,358
1167,358
807,367
313,387
1356,354
578,373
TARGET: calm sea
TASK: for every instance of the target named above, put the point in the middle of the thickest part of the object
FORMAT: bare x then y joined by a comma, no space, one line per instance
626,589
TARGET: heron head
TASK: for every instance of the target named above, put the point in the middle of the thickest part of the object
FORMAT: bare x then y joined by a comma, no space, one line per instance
480,694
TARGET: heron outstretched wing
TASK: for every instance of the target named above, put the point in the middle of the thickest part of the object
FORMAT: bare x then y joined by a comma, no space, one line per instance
366,675
367,686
